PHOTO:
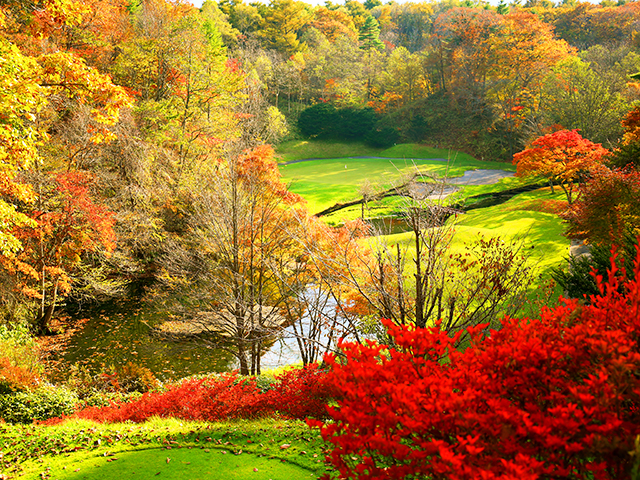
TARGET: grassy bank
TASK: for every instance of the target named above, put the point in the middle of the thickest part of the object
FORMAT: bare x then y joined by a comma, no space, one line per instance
163,448
303,149
529,215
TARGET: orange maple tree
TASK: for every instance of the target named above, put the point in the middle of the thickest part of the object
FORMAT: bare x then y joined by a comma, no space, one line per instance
68,223
564,157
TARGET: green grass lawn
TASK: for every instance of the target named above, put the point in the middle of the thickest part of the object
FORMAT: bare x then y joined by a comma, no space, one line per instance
521,216
322,183
165,448
303,149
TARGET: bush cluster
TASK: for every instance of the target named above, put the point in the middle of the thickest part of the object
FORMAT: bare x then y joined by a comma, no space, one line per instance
299,393
25,398
551,397
37,405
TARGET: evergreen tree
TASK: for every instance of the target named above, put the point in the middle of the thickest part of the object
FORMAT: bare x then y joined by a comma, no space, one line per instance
369,35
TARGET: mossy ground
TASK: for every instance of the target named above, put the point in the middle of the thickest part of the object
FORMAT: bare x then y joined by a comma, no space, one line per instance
163,448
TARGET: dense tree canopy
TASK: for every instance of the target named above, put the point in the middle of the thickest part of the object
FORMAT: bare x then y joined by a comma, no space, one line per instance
135,163
137,102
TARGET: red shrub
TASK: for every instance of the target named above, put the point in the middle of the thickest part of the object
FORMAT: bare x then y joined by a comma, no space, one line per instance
301,393
295,394
554,397
224,397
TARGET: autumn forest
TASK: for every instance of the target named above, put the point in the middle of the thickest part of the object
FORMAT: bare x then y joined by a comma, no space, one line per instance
142,147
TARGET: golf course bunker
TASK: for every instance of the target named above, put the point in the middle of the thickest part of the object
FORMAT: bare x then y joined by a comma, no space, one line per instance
179,464
430,191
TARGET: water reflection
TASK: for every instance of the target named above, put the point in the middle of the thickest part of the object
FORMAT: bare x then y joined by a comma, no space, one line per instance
121,332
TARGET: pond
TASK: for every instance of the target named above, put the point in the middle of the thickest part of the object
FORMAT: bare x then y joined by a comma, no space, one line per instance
121,332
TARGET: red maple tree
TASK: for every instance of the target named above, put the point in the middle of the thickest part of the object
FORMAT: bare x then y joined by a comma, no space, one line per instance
68,222
564,157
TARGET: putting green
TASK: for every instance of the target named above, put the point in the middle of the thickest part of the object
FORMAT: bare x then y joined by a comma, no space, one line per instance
176,464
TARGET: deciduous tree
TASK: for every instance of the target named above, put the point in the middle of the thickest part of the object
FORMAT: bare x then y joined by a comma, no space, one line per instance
333,23
578,97
22,99
248,265
628,152
405,76
283,22
188,89
423,282
607,209
520,54
564,157
69,223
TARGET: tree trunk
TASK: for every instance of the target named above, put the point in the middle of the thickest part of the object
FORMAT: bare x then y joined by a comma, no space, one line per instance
420,320
242,357
43,322
46,312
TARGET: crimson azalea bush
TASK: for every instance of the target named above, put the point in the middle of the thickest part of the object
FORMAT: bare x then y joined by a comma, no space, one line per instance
551,397
298,393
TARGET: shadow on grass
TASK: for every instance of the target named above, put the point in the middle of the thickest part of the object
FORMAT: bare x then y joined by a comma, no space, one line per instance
179,464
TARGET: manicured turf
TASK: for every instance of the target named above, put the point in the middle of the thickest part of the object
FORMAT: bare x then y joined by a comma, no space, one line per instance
302,149
322,183
522,216
164,448
337,175
179,464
